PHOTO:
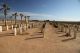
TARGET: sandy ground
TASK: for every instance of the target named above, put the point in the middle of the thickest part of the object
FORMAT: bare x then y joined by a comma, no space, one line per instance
30,43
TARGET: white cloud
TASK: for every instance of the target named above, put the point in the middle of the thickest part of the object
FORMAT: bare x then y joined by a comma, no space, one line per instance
69,19
41,16
34,15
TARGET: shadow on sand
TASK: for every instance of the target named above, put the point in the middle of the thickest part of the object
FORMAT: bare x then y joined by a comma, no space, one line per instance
65,35
37,35
6,34
68,39
34,38
24,34
59,32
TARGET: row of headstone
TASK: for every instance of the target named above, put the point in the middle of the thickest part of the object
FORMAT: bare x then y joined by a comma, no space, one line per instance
1,28
68,28
21,28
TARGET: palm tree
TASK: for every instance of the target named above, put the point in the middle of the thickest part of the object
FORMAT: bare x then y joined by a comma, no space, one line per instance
25,18
5,9
75,31
15,14
11,19
28,21
21,17
69,28
28,18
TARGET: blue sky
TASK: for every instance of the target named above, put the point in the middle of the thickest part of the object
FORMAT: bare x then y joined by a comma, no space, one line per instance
67,10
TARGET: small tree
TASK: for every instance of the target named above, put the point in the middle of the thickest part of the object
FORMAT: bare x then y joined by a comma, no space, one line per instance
21,17
28,18
15,14
25,18
75,31
11,19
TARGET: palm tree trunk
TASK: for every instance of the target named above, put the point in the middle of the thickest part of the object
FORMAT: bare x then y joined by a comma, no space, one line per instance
75,31
26,22
15,19
11,21
5,20
21,19
5,16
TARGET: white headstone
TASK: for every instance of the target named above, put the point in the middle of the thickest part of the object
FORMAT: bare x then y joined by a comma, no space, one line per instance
7,27
12,27
0,28
20,29
15,31
25,27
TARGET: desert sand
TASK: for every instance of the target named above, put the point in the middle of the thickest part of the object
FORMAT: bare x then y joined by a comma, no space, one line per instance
32,41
